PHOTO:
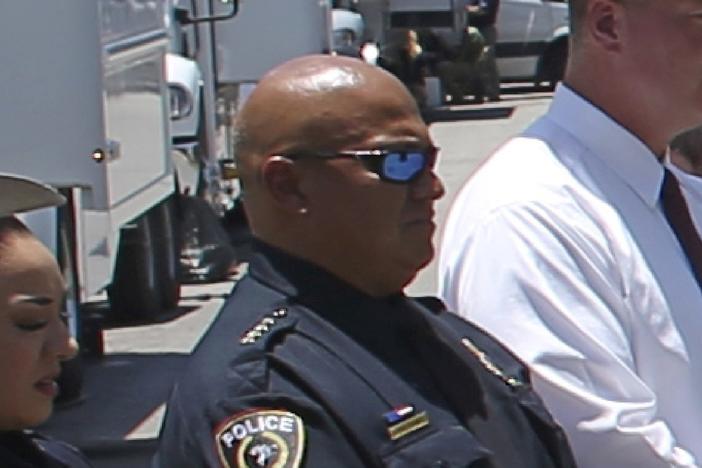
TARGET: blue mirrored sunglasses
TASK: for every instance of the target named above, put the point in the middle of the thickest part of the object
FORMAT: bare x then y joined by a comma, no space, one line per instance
398,166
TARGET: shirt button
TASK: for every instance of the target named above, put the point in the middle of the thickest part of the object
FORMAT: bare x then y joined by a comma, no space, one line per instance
440,464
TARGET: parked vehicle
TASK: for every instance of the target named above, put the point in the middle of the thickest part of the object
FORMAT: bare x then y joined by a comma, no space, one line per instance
215,62
532,42
532,34
231,54
123,105
101,121
347,32
86,110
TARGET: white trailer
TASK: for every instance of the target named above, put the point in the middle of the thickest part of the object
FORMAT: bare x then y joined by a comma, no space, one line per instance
85,109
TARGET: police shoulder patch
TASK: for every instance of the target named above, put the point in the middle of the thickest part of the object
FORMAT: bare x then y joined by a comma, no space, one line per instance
261,438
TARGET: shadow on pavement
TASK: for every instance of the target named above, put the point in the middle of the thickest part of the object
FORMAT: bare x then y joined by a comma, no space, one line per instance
452,114
119,390
108,321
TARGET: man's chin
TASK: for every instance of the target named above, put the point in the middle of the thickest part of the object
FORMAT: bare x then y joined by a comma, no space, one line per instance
422,224
420,258
427,260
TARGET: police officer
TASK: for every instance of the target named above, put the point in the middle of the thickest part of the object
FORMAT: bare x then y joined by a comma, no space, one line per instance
33,335
317,358
482,14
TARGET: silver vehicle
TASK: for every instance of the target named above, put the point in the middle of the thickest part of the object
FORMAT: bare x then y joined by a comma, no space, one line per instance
532,40
347,32
227,55
86,110
532,43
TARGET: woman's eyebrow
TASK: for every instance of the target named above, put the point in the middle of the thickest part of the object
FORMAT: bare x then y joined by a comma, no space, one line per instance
31,299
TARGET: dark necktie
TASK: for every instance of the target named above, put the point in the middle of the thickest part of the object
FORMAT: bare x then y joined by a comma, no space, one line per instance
676,210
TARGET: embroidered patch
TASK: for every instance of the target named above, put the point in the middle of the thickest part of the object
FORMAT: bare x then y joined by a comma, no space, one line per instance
261,438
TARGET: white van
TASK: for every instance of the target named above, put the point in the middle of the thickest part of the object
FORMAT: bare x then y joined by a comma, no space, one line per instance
532,35
532,40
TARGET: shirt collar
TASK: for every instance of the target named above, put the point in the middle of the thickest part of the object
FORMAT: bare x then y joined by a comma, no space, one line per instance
619,149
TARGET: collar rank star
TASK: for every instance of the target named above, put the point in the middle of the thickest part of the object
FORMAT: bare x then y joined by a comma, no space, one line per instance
403,420
261,438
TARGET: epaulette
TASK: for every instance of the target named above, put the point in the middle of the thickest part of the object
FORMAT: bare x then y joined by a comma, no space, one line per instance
264,326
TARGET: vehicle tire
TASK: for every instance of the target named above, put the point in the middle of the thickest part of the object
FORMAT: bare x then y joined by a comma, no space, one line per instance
134,292
165,228
70,381
554,64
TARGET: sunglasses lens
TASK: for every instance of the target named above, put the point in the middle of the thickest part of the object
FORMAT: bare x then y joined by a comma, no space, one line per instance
403,166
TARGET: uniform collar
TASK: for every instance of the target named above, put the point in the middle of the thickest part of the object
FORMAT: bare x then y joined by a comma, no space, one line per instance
18,450
377,324
304,280
619,149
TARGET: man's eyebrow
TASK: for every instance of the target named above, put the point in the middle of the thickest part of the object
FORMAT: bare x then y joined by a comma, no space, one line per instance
31,299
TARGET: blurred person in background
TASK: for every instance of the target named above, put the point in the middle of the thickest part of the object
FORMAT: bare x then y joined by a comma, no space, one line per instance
405,58
482,14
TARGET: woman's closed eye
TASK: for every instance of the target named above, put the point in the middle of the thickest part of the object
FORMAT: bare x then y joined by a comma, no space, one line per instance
30,320
31,325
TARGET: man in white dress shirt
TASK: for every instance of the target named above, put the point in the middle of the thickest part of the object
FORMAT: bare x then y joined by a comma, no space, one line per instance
559,247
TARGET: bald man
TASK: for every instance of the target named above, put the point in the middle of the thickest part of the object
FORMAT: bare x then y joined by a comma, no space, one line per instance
576,234
317,358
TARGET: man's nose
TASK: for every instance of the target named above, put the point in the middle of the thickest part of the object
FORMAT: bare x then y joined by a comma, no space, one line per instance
427,186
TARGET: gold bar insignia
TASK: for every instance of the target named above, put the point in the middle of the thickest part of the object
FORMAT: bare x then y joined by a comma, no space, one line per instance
408,426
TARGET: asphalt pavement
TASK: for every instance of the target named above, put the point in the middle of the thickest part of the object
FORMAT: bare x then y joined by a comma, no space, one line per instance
116,421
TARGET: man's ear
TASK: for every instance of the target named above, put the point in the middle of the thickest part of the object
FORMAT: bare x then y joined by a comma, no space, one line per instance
604,23
281,179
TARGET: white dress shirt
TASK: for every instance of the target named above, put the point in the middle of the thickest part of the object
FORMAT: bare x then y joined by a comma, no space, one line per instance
558,247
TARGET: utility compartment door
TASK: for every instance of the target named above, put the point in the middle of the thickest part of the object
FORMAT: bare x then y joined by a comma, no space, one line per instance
51,97
135,43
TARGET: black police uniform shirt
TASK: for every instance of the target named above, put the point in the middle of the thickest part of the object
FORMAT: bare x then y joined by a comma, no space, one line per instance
27,449
300,369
